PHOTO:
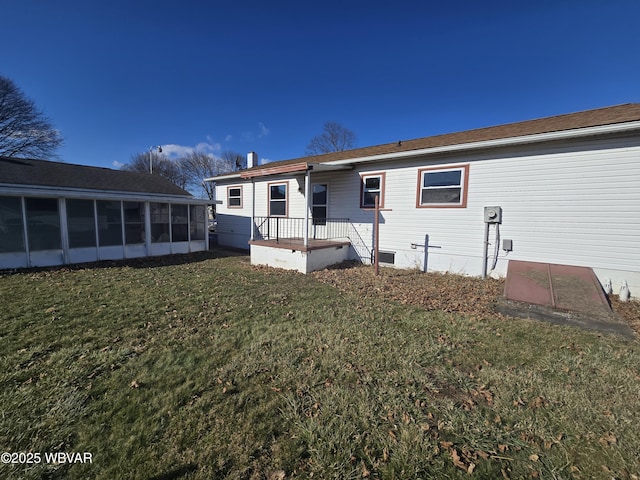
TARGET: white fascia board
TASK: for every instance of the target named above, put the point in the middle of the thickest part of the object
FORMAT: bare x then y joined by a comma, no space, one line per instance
229,176
537,138
60,192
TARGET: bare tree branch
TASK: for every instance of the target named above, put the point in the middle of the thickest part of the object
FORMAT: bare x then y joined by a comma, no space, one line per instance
199,165
162,166
334,138
24,130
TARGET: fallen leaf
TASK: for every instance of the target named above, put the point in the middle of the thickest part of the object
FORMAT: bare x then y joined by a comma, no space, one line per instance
365,471
534,457
134,384
456,459
608,439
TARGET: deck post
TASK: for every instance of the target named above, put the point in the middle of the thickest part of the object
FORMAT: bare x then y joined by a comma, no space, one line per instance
376,236
307,192
253,208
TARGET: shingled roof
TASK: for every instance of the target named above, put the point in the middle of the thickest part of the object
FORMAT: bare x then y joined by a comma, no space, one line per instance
20,171
590,118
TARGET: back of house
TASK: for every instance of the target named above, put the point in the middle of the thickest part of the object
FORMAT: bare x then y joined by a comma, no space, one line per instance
563,189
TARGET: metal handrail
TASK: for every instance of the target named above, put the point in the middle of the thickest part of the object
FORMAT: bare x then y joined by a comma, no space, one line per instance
291,228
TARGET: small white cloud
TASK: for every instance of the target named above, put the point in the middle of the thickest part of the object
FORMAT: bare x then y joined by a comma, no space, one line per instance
264,160
228,138
208,147
263,131
172,150
117,164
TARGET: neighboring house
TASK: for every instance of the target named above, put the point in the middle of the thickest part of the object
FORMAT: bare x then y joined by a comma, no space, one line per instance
568,188
54,213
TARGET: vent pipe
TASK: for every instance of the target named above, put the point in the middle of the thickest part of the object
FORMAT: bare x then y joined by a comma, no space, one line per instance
252,159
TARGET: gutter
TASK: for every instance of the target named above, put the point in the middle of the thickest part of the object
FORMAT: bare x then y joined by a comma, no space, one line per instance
80,193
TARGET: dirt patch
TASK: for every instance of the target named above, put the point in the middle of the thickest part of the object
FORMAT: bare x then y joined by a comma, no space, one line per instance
471,296
629,311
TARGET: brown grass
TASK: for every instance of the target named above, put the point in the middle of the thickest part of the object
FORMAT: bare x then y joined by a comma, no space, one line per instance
470,296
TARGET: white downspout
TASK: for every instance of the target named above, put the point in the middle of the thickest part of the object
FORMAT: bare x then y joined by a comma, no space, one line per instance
252,161
253,208
64,232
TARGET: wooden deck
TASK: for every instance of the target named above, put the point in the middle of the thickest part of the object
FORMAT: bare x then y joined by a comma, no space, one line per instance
297,244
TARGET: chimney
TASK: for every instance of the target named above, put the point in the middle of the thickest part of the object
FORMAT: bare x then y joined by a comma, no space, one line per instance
252,159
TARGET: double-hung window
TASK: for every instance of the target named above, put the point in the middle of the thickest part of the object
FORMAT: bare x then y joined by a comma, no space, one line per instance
278,199
372,185
234,197
443,187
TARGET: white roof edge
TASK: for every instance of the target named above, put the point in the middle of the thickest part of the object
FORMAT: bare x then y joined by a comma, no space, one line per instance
227,176
44,190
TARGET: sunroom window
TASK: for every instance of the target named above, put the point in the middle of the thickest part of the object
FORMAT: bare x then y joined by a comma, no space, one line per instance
11,227
43,224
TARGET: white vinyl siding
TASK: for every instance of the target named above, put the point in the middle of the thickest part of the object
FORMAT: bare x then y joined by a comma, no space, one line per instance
572,203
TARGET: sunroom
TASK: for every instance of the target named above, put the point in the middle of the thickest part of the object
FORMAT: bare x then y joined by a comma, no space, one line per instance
55,213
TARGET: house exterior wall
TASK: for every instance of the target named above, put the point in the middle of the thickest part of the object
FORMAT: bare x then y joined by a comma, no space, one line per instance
573,203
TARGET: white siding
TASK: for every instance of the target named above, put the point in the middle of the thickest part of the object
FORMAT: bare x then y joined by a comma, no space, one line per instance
234,224
571,204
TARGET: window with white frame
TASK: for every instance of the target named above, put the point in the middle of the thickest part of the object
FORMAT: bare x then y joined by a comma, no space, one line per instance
234,197
372,185
442,187
278,199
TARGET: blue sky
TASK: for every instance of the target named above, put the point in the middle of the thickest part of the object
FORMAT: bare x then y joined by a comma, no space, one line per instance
118,76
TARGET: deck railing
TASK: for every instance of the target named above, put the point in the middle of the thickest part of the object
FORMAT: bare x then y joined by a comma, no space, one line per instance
285,228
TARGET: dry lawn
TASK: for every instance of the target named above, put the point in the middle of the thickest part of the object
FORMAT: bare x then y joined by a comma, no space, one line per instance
470,296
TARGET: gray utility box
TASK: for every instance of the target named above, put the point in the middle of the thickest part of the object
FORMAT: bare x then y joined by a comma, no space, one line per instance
492,214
